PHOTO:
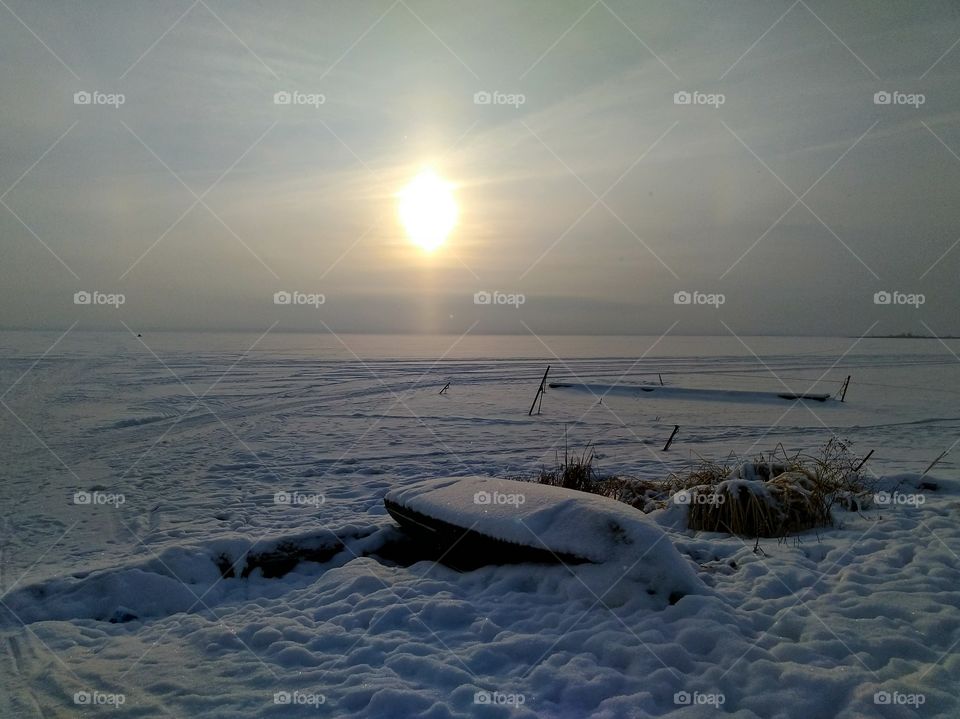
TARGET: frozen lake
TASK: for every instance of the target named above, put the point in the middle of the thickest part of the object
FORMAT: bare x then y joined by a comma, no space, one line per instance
199,432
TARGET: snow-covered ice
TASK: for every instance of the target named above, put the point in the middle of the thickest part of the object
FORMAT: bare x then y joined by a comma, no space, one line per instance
130,474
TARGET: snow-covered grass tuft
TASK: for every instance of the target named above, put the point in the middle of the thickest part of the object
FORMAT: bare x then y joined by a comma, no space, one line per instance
772,495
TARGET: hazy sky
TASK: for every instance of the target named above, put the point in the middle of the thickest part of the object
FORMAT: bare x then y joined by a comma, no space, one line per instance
692,197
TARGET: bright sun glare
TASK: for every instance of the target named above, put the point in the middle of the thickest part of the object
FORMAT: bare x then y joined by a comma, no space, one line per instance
427,209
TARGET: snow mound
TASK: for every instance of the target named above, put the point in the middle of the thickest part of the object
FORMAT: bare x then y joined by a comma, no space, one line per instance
563,521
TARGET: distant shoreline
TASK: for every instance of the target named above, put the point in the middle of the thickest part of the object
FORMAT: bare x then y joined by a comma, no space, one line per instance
911,337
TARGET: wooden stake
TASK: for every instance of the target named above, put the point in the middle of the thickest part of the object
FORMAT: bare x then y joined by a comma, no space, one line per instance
661,379
863,461
843,390
935,462
676,428
540,391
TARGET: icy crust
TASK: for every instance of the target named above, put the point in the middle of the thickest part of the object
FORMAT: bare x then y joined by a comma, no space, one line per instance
563,521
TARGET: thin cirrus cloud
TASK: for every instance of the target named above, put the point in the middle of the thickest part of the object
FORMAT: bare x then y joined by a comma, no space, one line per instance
596,195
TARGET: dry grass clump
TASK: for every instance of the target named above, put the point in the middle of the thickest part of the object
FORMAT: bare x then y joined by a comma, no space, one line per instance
790,502
575,472
771,496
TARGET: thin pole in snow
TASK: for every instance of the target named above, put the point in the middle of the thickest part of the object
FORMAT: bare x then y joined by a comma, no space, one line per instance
863,461
843,390
676,428
935,462
540,391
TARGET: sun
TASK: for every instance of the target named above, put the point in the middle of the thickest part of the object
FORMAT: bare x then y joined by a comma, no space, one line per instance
428,210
